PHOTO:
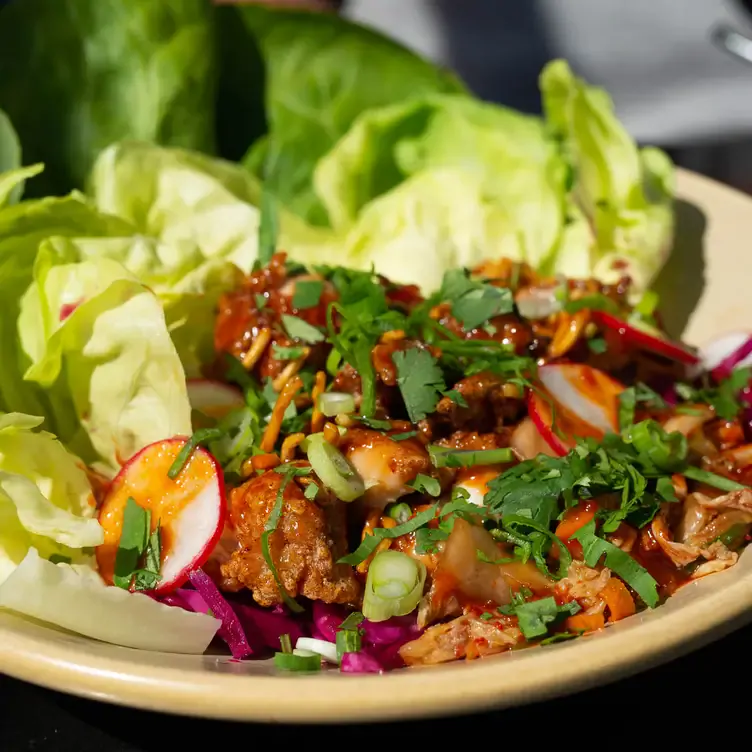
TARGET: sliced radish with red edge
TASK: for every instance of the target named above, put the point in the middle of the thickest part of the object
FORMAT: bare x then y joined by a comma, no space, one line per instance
652,340
723,355
189,509
574,401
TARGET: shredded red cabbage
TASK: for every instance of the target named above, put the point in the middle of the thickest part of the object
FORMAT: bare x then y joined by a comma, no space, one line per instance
268,626
326,619
397,629
360,663
231,631
726,366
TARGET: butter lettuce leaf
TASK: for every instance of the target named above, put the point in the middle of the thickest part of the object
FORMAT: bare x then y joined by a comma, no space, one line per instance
93,328
75,598
45,496
625,193
12,174
322,72
132,69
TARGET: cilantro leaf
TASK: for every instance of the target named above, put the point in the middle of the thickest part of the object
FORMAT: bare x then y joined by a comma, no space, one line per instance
299,329
474,302
595,302
724,398
632,396
307,293
535,618
597,345
260,301
456,397
420,381
426,484
621,563
287,353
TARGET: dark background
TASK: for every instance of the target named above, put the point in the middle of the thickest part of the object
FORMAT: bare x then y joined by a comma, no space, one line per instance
641,708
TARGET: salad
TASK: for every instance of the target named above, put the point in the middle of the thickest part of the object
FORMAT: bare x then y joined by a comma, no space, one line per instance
338,369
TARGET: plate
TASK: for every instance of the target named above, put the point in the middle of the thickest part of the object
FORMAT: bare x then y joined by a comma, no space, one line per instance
706,292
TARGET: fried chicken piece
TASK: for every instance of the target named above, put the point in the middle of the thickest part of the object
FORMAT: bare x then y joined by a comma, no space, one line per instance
309,539
385,465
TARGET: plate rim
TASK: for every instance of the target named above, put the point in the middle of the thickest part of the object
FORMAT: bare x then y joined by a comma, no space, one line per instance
625,649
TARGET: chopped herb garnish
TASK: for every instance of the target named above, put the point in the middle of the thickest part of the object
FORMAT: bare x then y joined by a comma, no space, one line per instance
632,396
135,538
285,643
420,381
597,345
400,512
299,329
268,230
377,425
202,436
562,636
723,398
595,549
456,397
444,457
712,479
287,353
271,525
307,293
260,301
148,577
486,616
426,484
474,302
352,621
311,491
403,436
347,641
594,302
535,618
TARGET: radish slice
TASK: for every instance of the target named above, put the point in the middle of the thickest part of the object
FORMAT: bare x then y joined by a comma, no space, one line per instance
583,402
190,509
651,340
723,355
213,398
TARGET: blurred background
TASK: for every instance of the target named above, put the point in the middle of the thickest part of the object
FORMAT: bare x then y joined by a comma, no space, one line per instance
673,85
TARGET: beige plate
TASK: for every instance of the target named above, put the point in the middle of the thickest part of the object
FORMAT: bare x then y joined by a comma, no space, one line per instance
709,293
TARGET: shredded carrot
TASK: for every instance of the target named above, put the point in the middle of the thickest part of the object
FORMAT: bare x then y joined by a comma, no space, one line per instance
331,434
585,622
384,544
618,599
394,336
259,462
574,519
257,348
286,396
317,417
290,370
289,445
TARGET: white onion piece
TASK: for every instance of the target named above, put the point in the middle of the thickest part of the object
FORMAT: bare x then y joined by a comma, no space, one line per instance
327,650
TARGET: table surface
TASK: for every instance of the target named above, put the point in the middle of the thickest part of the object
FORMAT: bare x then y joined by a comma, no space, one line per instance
41,720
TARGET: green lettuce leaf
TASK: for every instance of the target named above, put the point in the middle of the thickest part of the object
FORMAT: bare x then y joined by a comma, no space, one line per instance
12,175
194,201
76,599
45,496
322,73
625,193
132,69
97,332
22,228
437,220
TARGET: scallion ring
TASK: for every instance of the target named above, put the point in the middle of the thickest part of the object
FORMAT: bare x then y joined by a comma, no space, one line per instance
327,650
297,662
394,585
334,471
335,403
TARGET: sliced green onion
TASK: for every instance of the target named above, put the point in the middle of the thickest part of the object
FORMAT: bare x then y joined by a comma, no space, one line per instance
334,471
297,662
711,479
285,644
394,585
348,641
443,457
399,512
304,653
353,620
201,436
324,648
334,403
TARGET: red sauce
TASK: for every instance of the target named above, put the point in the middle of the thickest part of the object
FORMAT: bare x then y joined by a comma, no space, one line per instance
649,554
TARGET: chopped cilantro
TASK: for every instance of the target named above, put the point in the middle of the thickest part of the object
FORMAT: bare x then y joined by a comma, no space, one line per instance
352,620
137,540
456,397
307,293
444,457
595,302
562,636
426,484
722,398
595,549
287,353
535,618
299,329
376,424
486,616
597,345
632,396
420,381
474,302
403,436
268,230
260,301
311,491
